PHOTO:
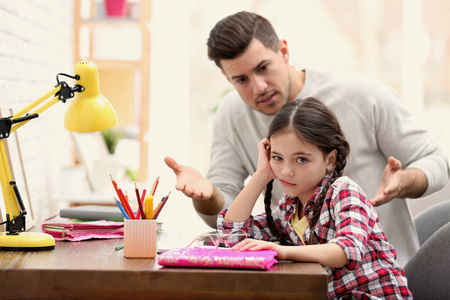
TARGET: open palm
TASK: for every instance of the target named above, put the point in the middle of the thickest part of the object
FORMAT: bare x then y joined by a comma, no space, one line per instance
190,181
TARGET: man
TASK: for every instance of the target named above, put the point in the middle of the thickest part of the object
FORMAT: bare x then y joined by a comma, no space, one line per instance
381,133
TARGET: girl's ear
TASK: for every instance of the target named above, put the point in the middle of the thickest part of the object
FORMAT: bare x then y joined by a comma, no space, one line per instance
330,160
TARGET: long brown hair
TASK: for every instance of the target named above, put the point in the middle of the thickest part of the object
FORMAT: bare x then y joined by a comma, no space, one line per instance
314,122
232,35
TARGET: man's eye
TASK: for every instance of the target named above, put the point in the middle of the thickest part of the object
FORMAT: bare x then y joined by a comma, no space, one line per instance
241,81
262,68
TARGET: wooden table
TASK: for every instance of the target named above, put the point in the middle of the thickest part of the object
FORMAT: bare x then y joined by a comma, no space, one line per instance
95,270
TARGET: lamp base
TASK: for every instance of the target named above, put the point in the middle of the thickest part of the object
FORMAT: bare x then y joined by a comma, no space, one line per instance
26,241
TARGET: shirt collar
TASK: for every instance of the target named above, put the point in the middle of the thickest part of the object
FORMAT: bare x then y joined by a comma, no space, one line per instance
292,201
310,204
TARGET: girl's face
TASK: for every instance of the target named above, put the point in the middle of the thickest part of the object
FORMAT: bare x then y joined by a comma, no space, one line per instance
298,165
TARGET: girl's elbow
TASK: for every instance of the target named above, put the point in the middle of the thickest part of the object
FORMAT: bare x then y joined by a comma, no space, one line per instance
339,258
340,262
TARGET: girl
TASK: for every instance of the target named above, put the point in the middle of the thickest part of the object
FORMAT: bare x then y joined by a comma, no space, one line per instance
322,216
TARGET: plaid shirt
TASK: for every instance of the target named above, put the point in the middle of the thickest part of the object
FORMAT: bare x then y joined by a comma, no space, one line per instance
348,219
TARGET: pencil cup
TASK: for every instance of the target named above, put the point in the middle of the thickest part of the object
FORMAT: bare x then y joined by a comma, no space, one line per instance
139,238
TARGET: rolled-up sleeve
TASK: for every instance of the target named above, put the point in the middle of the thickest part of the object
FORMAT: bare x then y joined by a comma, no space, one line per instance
227,226
353,223
254,226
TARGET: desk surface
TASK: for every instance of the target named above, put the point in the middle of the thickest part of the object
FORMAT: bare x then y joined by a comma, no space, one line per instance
94,269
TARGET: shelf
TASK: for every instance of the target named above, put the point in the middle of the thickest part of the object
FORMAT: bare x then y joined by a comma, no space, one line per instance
110,22
107,41
117,64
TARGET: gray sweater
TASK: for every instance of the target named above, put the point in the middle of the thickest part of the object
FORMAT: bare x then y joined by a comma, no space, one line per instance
374,123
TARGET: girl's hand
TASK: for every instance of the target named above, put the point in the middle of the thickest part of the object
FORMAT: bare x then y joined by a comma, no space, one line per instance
264,158
241,208
255,245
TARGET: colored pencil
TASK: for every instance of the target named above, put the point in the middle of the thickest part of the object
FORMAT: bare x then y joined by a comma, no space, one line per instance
142,203
158,210
138,197
114,183
122,198
124,213
154,186
158,207
126,205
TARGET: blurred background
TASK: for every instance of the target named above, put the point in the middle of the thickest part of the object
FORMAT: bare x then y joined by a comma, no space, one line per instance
154,70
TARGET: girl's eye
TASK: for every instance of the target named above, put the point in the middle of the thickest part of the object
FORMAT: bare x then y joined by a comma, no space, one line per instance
276,158
301,160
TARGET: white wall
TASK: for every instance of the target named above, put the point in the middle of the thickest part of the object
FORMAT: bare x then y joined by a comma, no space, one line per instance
169,133
35,44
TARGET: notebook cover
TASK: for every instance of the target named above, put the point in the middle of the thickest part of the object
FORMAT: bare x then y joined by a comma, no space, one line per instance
92,213
218,258
80,231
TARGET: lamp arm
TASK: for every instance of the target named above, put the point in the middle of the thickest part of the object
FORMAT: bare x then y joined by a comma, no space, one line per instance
15,218
35,103
62,92
13,204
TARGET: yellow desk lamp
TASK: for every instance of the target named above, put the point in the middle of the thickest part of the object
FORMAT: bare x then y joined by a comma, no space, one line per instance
89,111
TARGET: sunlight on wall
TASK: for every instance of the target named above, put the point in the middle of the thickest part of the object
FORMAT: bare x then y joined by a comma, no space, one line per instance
366,37
169,112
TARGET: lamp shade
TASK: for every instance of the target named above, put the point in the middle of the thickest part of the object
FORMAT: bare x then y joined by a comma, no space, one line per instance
89,110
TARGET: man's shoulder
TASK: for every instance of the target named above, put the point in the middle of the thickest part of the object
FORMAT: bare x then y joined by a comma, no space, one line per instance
347,79
338,87
335,74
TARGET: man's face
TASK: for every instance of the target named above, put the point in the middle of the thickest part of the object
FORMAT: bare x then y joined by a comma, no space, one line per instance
260,76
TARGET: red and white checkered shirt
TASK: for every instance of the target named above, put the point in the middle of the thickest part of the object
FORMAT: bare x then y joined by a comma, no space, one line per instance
348,219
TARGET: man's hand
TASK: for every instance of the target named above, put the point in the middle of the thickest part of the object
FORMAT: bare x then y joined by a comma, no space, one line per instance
391,183
207,199
190,181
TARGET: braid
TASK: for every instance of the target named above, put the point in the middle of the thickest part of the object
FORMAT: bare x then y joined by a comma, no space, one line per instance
267,203
341,161
317,208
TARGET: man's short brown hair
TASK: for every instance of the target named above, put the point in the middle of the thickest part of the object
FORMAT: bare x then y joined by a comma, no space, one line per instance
232,35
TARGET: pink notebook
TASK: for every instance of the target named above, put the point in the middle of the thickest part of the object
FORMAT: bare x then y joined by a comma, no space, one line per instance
218,258
80,231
